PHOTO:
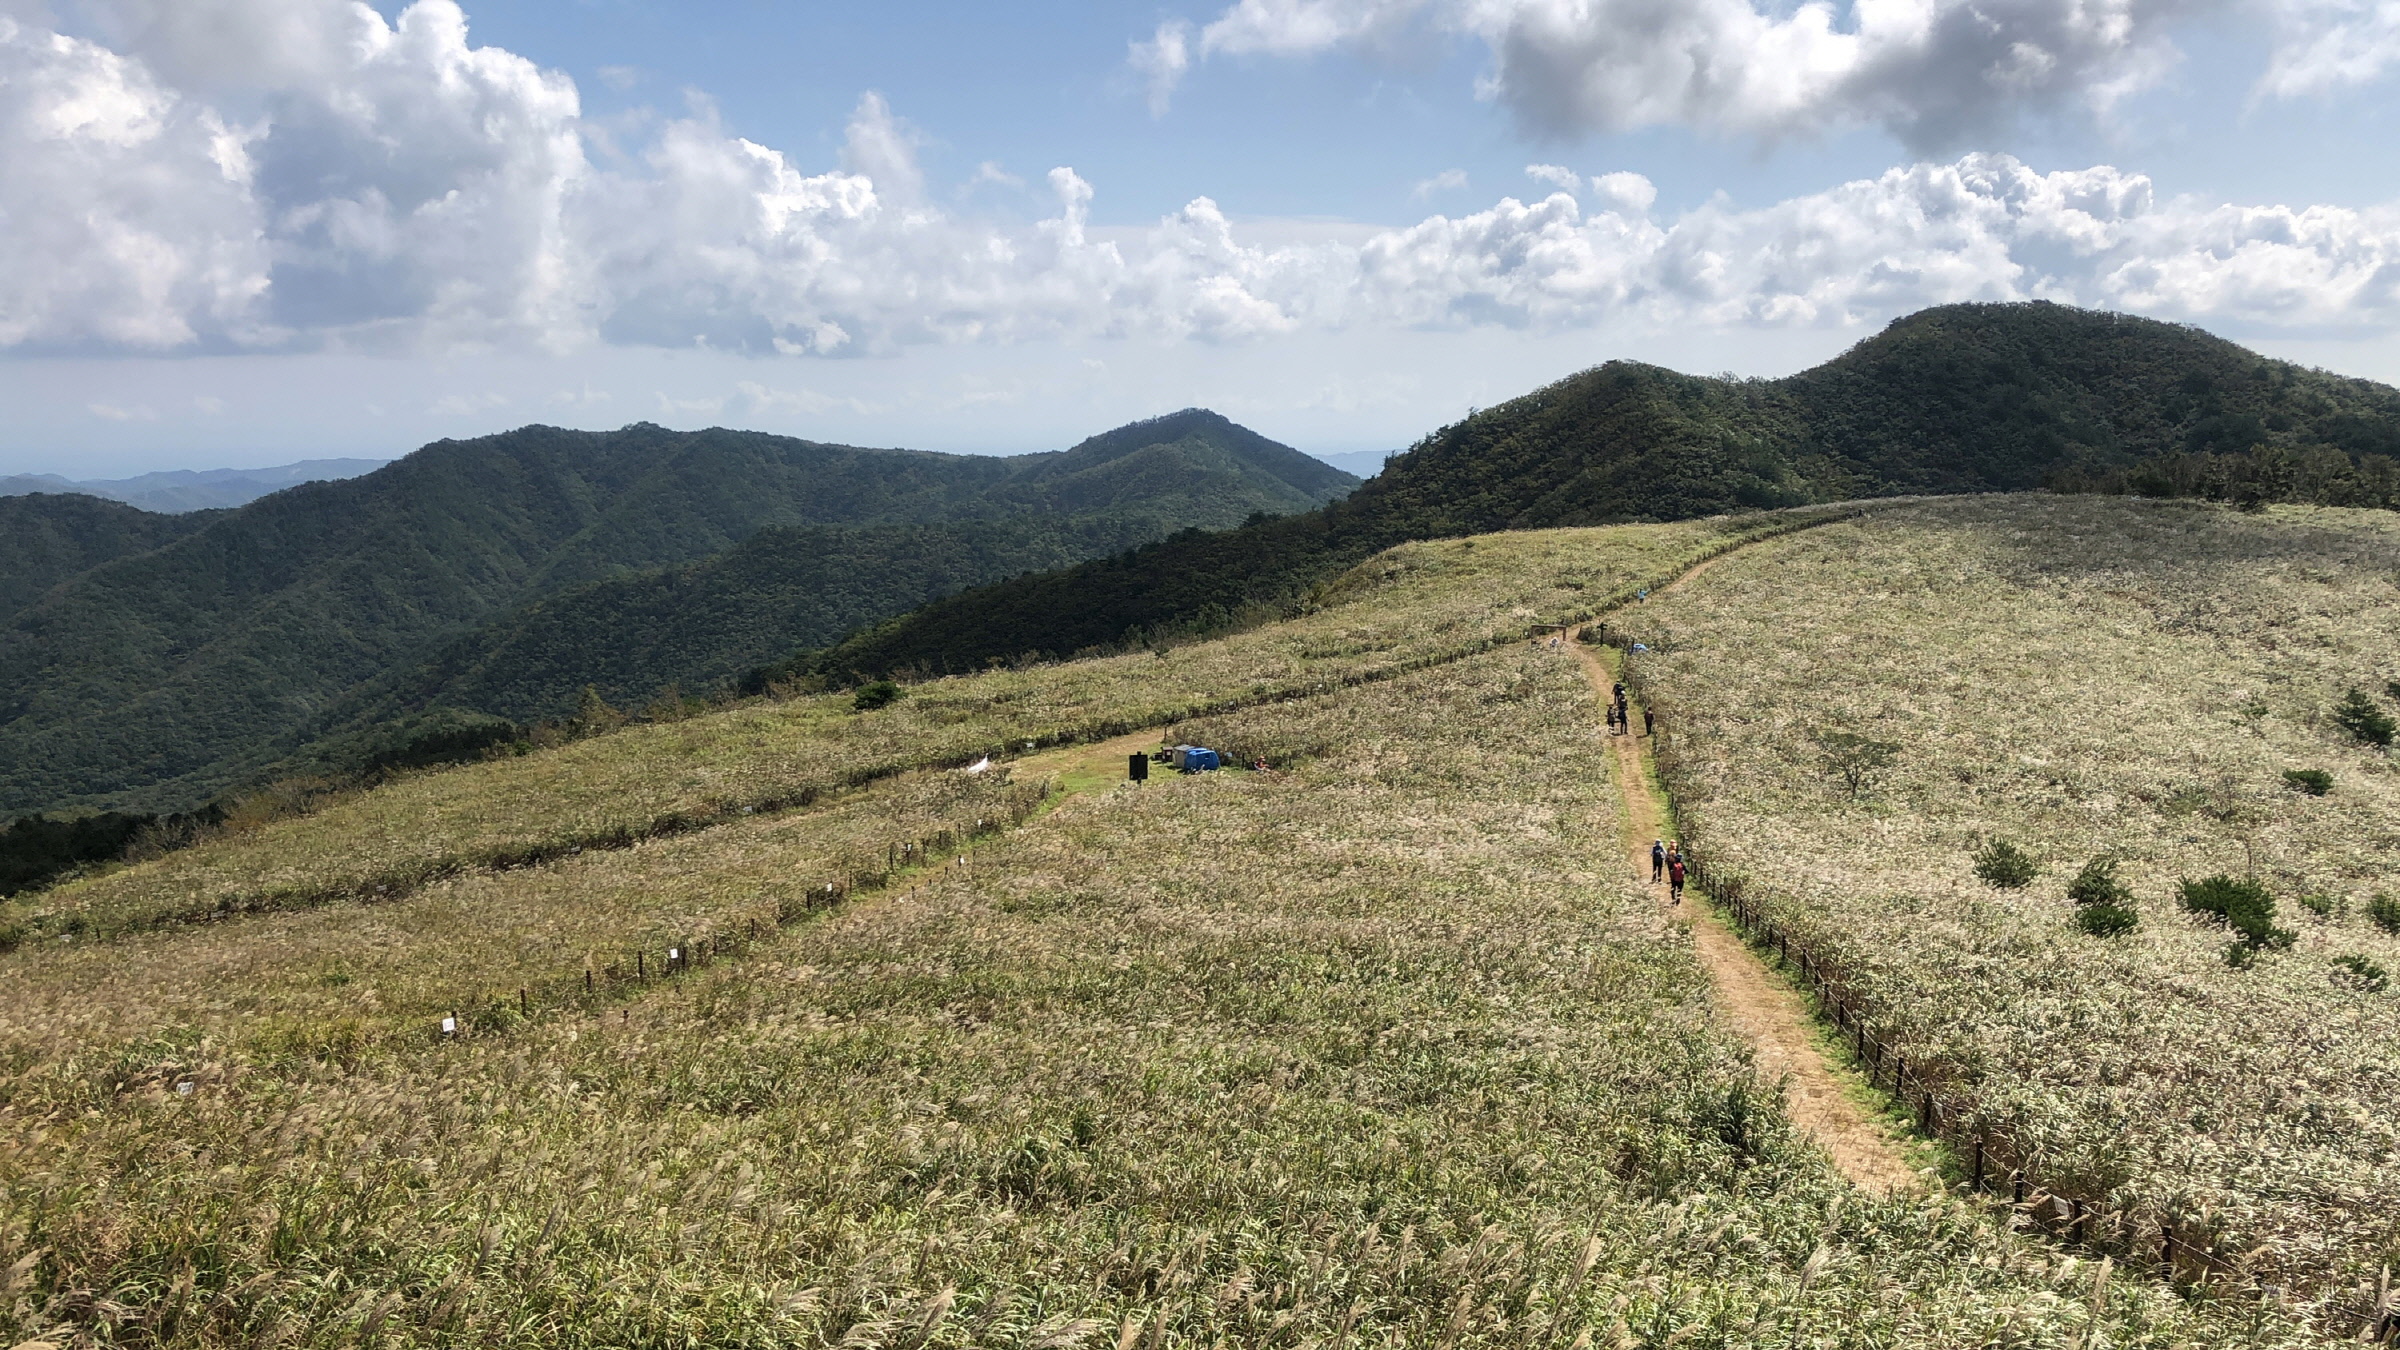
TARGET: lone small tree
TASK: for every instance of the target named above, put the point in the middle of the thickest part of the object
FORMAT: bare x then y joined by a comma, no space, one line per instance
2103,904
2361,717
2244,906
2002,864
1858,761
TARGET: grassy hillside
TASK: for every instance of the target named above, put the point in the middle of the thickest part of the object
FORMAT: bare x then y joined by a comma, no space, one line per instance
160,677
1375,1048
2087,680
47,538
1418,605
1964,398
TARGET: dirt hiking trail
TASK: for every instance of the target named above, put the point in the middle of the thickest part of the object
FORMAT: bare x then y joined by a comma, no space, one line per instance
1761,1007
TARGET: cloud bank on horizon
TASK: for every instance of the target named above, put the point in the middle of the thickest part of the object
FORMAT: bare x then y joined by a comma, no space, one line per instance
306,175
1933,72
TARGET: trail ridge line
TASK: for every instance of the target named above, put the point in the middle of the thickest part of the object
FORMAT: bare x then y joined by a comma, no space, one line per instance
1767,1012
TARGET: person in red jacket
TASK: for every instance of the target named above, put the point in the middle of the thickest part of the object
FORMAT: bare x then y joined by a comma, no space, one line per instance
1675,875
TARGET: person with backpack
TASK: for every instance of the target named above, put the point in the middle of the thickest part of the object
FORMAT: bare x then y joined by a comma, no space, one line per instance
1658,860
1649,723
1674,878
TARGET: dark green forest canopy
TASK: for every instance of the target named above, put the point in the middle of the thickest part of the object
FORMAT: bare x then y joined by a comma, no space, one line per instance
1965,398
45,538
519,567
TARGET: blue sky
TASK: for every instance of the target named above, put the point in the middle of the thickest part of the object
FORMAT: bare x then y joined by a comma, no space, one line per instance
245,231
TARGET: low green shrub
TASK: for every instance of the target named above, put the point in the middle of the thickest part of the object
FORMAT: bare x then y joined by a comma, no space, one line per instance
2003,864
2106,920
2385,911
2314,782
2361,974
2324,906
2242,905
2103,904
2097,884
2362,717
875,694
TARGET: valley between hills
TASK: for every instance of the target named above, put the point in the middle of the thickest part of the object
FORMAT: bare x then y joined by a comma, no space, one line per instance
2022,688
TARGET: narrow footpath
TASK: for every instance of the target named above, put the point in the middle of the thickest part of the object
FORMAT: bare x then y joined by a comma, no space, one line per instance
1765,1010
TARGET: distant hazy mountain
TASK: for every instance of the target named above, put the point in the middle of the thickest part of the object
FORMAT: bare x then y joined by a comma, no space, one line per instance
1964,398
1363,463
179,490
511,570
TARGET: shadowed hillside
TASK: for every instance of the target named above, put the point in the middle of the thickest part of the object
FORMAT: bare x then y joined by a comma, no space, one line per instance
1965,398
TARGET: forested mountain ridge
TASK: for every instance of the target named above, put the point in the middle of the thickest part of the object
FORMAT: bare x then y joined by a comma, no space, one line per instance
1956,399
699,626
153,680
46,538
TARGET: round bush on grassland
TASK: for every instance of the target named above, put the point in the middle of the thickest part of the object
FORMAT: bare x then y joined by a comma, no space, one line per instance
2097,884
2242,905
2106,920
2003,864
2314,782
2385,911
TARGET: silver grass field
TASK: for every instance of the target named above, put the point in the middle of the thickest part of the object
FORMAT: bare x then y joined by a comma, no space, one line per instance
1380,1047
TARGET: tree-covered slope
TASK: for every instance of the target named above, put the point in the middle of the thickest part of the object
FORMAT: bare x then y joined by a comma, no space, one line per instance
153,680
699,626
49,537
1958,399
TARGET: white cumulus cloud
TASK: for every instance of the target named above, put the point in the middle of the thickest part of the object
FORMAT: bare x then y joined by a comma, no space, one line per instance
1934,72
387,185
1162,62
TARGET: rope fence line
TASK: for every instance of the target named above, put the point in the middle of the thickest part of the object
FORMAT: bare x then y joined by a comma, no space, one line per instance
401,882
640,963
2129,1228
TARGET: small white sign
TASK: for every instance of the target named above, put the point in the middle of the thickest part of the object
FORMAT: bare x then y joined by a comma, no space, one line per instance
449,1026
674,953
183,1089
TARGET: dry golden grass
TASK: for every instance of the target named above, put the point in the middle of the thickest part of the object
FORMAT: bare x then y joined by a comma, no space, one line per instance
2084,678
346,978
1379,1049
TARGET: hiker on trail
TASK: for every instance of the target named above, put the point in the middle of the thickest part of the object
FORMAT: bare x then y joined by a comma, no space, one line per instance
1675,878
1649,722
1617,692
1658,860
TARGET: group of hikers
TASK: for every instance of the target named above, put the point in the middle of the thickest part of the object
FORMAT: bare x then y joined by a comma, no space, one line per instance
1620,717
1666,864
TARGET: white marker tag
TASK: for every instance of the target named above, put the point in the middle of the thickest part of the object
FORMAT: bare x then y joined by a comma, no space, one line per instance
183,1089
449,1026
674,953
